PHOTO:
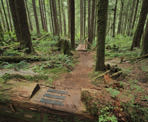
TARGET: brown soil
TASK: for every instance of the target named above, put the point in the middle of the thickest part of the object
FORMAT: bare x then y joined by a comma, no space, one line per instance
79,77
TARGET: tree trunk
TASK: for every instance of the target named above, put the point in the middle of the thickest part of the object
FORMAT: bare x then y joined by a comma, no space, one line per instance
21,26
135,15
41,14
114,22
81,20
120,17
29,17
5,16
69,19
129,30
64,18
36,17
89,17
1,34
145,41
140,26
84,17
3,21
9,16
91,31
45,16
102,23
60,17
51,12
72,22
55,18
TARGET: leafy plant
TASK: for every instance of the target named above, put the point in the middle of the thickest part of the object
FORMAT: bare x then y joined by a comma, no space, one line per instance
113,92
106,115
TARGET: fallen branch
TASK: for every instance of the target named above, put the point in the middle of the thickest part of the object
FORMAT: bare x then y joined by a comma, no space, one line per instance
42,37
116,75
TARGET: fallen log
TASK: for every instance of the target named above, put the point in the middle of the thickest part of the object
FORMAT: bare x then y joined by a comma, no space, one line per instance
116,75
17,59
137,58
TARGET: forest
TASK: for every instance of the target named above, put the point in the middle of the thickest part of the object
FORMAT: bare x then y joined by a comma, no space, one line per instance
73,60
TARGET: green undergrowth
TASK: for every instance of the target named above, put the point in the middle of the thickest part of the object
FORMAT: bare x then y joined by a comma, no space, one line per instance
120,47
17,66
34,78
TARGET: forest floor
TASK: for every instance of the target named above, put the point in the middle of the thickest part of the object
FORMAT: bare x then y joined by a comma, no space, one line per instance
80,90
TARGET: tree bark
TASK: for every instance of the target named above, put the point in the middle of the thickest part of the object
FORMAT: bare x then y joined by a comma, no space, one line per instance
21,26
69,19
120,17
60,17
9,16
36,17
140,26
72,22
3,21
84,18
129,30
41,14
145,41
1,34
29,17
81,20
102,23
91,31
5,16
55,18
64,18
135,15
114,22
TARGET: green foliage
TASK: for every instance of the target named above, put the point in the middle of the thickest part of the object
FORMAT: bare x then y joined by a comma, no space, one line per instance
120,47
106,115
18,66
34,78
113,92
47,45
136,112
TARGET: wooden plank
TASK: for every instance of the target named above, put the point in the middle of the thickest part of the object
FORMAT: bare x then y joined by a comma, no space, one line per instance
53,102
54,96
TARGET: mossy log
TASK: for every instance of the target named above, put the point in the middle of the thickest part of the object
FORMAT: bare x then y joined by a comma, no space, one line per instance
17,59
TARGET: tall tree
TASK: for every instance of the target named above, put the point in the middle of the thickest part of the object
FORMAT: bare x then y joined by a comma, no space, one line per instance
19,15
9,16
81,20
1,34
5,15
72,22
135,15
64,18
55,18
36,17
84,21
3,21
89,15
145,41
101,35
140,26
28,15
69,19
120,17
60,17
129,30
91,31
115,14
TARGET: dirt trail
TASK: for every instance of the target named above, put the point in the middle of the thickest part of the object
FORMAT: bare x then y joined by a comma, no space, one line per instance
79,77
